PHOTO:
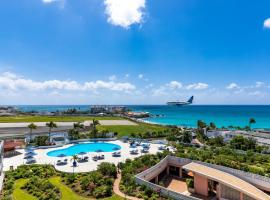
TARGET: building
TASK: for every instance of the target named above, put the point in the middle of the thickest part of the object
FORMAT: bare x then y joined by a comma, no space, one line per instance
262,138
210,181
138,114
107,109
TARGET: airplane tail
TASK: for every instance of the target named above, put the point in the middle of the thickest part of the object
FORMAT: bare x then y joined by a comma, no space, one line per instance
190,99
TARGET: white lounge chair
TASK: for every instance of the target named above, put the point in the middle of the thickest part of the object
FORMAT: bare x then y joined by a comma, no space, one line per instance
134,152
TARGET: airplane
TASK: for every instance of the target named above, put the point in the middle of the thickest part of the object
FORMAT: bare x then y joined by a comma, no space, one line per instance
181,103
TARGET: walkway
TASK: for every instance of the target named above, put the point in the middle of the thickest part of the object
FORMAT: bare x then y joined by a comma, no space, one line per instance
117,191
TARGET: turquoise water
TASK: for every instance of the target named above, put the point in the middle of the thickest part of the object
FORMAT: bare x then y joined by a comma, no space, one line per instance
221,115
85,147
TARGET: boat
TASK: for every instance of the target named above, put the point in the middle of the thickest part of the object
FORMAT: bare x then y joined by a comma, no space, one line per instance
181,103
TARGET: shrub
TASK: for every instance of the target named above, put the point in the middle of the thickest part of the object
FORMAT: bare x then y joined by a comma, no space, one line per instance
108,169
190,183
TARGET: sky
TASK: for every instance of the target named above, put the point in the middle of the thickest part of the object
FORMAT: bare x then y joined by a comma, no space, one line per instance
134,51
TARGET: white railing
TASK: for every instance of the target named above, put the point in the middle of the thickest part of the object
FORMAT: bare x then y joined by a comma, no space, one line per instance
154,171
260,181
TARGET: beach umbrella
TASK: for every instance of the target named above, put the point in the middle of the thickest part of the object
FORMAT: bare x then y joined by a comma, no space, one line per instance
62,155
30,153
28,157
29,149
161,142
99,150
82,153
116,148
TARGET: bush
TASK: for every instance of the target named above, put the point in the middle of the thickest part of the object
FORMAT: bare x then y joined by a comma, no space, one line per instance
190,183
108,169
42,189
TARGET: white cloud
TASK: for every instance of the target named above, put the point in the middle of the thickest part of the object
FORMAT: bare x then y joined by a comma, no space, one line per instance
126,75
49,1
161,91
10,81
266,23
257,94
197,86
259,84
140,76
174,85
112,78
124,13
232,86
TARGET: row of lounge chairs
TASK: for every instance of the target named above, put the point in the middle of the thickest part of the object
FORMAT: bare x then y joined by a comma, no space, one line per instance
62,162
116,154
98,157
31,161
83,159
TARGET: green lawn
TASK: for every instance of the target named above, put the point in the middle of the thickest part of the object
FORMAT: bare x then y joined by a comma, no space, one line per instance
27,118
19,194
114,197
66,192
128,129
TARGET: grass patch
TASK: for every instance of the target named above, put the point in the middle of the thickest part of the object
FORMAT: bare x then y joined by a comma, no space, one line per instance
28,118
114,197
18,193
66,192
124,130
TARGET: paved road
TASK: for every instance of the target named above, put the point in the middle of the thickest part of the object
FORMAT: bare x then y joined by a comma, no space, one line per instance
20,128
86,123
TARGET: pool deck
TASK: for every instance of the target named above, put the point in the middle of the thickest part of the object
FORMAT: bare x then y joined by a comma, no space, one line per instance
43,158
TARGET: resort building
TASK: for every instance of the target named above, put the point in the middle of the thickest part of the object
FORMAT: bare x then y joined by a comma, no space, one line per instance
106,109
263,138
209,181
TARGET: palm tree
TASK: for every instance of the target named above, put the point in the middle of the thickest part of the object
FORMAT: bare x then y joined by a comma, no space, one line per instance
78,125
51,125
212,125
251,121
31,127
94,125
74,159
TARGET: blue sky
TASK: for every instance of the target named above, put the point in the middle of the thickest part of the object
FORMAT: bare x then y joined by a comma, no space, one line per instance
134,51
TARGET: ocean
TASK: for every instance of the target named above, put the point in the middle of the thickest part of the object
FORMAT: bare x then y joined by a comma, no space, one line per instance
221,115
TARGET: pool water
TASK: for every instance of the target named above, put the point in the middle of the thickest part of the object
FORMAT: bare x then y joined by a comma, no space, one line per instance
85,147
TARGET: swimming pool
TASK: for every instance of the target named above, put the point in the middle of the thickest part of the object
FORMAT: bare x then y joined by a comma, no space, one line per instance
85,147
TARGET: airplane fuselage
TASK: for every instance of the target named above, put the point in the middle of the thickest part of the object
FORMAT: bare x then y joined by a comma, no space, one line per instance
177,103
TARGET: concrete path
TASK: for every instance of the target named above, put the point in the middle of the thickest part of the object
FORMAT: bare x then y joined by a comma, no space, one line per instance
117,191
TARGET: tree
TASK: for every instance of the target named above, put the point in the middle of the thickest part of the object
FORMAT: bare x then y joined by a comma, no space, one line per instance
95,123
74,159
73,134
251,121
108,169
186,137
78,125
201,124
51,125
31,127
212,126
216,141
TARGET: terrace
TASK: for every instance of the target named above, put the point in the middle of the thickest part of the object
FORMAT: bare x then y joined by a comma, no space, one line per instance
210,181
